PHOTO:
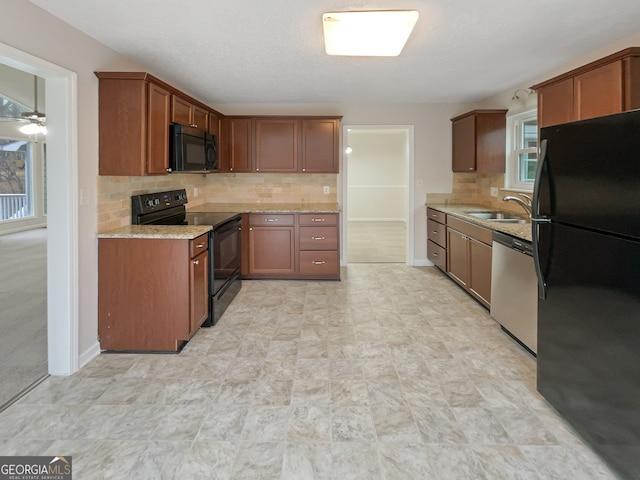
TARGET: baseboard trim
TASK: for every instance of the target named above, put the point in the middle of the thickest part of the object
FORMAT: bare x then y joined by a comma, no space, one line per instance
423,263
89,354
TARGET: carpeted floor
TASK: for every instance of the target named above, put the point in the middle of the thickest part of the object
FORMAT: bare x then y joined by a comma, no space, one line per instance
23,311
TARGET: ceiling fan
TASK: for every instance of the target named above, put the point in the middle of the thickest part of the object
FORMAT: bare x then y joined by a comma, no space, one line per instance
35,121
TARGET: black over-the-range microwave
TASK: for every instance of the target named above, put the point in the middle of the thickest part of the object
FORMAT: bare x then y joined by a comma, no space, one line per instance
191,149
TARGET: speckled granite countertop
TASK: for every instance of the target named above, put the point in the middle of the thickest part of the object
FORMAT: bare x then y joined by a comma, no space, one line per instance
178,232
268,207
520,230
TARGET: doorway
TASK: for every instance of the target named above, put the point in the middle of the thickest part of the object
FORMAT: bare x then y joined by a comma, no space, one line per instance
61,187
377,194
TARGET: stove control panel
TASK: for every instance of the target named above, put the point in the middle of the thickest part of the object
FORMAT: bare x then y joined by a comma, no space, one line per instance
147,203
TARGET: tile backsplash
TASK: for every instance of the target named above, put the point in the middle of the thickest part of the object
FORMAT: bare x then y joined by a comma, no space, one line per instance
114,202
475,188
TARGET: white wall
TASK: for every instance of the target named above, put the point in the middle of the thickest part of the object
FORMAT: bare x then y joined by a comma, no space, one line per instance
66,47
432,143
377,170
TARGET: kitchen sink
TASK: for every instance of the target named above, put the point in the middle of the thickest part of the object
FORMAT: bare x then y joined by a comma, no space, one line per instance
496,216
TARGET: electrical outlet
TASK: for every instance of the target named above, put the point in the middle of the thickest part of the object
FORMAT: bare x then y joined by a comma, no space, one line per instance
494,191
195,191
326,190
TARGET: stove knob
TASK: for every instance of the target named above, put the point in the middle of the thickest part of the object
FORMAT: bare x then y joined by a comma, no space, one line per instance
156,201
148,203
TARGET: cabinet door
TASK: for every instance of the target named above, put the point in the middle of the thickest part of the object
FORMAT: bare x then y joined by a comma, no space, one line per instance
180,110
276,145
198,291
555,103
480,271
214,127
159,107
239,144
464,144
200,118
271,250
320,146
457,257
598,92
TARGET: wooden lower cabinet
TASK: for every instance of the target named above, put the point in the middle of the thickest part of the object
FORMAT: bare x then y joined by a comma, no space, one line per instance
469,258
152,293
271,251
291,246
480,271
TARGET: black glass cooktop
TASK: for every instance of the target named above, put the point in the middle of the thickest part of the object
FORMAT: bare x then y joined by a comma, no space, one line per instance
210,218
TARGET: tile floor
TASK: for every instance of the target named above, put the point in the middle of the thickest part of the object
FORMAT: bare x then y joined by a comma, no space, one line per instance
392,373
376,242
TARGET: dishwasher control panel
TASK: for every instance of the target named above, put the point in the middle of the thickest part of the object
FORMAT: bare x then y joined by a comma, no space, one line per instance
514,243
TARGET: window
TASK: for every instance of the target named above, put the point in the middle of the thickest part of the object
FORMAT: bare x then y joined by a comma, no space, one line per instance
16,192
522,150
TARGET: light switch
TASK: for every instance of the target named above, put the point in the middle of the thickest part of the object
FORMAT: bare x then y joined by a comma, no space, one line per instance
85,196
494,191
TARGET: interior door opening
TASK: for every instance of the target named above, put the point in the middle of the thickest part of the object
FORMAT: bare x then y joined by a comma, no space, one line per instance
377,193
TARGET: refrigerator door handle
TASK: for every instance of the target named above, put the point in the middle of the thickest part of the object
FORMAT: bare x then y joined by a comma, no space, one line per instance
535,237
535,209
537,220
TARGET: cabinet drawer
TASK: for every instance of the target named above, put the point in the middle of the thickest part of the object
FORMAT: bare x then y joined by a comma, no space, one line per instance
261,219
436,215
319,263
437,255
437,232
318,219
318,238
198,245
481,234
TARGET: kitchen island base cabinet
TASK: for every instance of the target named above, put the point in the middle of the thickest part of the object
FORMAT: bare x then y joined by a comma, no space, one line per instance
152,293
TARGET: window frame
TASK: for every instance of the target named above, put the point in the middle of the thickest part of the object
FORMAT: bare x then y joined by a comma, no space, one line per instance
514,127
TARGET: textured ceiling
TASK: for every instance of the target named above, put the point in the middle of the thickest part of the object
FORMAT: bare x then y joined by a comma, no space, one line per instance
252,51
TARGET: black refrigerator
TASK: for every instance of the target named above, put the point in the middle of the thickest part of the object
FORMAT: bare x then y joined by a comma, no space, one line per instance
586,235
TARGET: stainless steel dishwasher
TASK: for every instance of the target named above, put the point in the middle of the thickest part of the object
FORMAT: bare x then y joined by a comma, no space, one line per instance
514,289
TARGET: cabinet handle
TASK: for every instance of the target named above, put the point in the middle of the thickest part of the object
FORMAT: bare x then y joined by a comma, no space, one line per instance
196,262
434,254
317,219
435,232
270,219
200,245
434,215
317,238
251,229
316,262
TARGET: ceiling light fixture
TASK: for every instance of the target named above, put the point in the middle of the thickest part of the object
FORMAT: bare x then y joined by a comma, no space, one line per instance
36,119
379,33
520,102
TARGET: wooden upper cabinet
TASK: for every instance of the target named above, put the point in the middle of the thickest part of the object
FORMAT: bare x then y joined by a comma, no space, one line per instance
157,130
276,145
479,139
555,103
214,125
134,115
598,92
320,145
236,145
186,113
603,87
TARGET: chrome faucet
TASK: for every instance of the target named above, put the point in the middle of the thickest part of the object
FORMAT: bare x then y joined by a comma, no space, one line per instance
526,205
